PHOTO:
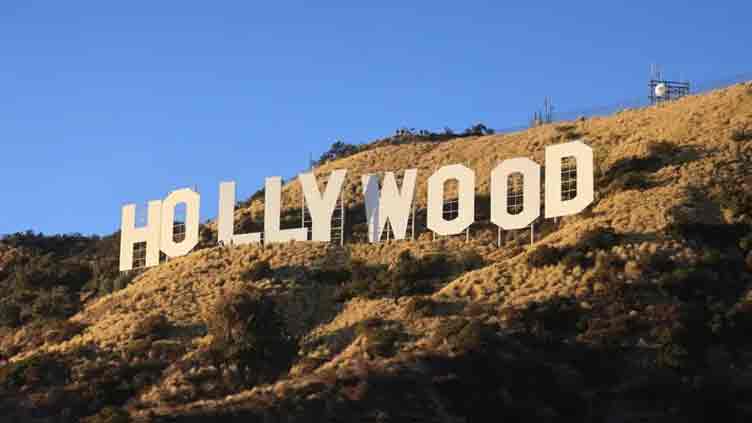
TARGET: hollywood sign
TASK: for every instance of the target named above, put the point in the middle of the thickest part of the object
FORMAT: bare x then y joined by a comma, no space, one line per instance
383,202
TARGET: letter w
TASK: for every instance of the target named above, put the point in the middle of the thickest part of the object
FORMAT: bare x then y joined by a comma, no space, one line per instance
392,203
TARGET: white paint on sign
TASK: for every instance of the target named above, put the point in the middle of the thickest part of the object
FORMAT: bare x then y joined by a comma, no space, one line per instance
390,203
465,200
321,207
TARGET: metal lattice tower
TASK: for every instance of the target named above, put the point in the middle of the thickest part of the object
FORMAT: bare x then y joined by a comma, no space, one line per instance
661,89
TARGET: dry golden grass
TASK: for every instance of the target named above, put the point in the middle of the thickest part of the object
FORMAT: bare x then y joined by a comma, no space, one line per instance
184,289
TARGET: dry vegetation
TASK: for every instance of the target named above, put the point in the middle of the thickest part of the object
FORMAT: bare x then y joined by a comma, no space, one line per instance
638,309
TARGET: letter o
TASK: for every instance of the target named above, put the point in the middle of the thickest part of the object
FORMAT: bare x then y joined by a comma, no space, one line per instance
500,215
192,201
465,204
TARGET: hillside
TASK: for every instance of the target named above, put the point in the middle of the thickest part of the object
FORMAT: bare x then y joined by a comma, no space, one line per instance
637,309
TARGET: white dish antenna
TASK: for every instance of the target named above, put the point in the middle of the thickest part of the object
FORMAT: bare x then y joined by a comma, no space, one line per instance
660,90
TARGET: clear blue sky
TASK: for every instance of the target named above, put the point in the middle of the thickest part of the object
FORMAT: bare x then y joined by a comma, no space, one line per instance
103,103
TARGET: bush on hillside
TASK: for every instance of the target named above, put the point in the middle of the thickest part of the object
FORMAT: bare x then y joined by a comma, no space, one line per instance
708,234
413,276
35,371
631,181
406,276
109,415
479,129
554,318
56,331
258,270
462,335
380,339
154,326
10,314
741,135
56,303
662,149
247,331
632,172
598,239
331,275
470,260
545,255
421,307
338,150
658,262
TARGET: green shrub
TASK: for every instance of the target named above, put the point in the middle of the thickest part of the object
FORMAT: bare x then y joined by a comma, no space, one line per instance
48,271
331,276
57,302
472,337
338,150
544,255
717,236
380,340
575,258
578,255
629,165
462,335
108,415
153,326
733,326
688,283
247,331
662,149
478,310
57,331
138,348
258,270
556,317
683,343
406,276
167,350
659,262
631,181
121,281
40,370
10,314
470,260
365,281
741,134
672,355
745,243
737,199
435,265
631,172
421,306
598,239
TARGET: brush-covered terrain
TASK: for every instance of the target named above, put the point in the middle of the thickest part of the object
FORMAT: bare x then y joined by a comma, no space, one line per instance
638,309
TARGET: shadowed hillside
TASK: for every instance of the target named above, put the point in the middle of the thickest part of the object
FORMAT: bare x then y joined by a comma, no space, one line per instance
637,309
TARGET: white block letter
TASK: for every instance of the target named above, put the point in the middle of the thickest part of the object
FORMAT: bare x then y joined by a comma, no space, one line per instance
129,234
272,199
500,215
392,203
583,156
466,200
321,207
192,202
226,218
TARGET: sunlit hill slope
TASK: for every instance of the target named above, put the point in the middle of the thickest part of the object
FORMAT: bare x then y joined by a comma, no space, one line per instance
637,309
